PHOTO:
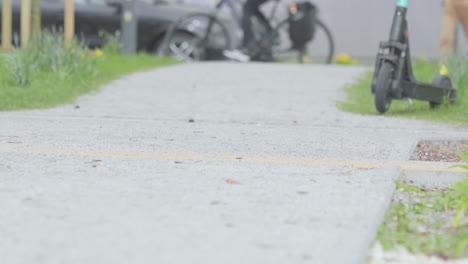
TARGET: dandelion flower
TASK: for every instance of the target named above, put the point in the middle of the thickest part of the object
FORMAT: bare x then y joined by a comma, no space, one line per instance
99,53
444,70
343,58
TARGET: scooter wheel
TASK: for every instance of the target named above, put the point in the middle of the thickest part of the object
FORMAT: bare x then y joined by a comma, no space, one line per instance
383,86
453,96
443,81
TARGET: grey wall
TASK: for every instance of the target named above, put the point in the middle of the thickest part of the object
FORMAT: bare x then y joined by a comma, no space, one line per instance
359,25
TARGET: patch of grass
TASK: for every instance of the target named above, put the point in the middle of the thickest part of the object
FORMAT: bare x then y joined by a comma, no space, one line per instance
428,222
361,100
47,74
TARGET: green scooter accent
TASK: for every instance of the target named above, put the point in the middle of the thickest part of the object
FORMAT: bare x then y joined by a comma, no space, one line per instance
403,3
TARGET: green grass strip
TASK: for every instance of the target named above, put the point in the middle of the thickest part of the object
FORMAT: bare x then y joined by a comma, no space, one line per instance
49,89
428,222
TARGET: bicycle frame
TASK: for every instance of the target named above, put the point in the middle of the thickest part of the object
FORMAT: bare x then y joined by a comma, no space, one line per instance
262,50
271,31
232,8
265,20
238,17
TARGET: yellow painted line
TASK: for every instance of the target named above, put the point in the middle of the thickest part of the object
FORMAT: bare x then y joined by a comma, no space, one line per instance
124,154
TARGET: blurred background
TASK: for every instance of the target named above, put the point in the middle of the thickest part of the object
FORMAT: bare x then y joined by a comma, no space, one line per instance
358,25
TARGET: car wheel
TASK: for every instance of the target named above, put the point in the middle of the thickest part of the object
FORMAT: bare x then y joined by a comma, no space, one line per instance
183,46
199,35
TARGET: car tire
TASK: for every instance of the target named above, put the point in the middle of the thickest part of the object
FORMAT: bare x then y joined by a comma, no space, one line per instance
197,29
182,45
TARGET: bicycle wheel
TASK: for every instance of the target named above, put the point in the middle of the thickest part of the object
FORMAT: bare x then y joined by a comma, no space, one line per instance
321,48
196,36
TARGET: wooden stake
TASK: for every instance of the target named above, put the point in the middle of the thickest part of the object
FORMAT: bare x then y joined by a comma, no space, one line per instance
25,22
36,18
6,25
69,22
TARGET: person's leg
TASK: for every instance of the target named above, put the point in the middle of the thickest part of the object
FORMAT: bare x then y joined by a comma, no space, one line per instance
450,21
461,6
262,18
251,8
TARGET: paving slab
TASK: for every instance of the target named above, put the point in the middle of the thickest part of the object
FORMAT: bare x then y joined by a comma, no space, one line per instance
138,171
433,179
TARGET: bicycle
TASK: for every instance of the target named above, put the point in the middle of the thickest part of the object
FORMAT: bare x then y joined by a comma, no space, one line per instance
204,36
393,75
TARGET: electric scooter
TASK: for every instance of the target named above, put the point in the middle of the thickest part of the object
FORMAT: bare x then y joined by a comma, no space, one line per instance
393,76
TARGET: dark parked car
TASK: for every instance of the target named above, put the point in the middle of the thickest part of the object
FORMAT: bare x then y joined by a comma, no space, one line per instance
92,16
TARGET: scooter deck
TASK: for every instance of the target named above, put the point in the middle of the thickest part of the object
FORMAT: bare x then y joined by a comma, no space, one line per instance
424,91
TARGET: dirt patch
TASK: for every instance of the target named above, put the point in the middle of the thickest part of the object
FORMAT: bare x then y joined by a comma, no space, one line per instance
442,151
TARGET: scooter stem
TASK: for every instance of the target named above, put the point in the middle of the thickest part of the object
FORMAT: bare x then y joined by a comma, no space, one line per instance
403,3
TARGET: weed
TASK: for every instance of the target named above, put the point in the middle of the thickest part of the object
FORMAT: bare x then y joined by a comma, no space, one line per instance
48,73
48,54
427,221
112,44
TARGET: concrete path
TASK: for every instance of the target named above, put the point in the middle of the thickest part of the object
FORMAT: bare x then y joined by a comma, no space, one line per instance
142,171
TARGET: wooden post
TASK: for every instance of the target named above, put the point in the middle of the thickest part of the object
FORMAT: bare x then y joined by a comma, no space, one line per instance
25,22
69,23
36,18
6,24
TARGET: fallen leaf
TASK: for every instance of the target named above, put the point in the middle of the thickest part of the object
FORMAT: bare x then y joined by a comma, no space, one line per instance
230,181
177,162
238,158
